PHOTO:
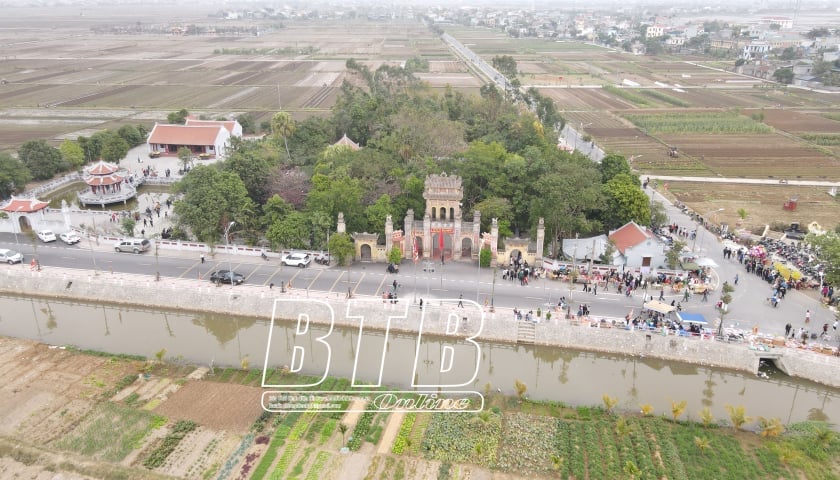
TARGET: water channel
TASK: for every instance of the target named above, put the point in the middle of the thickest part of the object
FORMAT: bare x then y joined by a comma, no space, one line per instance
574,377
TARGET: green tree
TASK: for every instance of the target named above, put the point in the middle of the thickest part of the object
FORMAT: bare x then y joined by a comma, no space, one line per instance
114,148
625,201
506,65
485,257
185,156
283,126
672,256
565,197
179,117
395,255
612,165
274,210
334,195
72,153
499,208
290,232
253,163
91,146
210,200
131,135
13,175
784,75
827,247
249,126
42,160
376,215
342,247
128,224
658,216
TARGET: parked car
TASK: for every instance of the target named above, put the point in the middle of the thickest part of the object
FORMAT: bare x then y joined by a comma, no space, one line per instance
301,260
10,256
136,245
226,276
46,236
70,238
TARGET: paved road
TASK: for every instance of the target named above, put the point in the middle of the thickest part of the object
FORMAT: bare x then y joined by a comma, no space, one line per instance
746,181
749,306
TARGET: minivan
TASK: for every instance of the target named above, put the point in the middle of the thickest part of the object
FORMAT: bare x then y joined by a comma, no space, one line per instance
135,245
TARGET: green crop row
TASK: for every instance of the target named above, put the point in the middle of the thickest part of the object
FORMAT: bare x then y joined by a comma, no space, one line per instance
320,461
170,442
361,431
721,123
627,95
665,98
826,140
286,459
327,430
402,439
277,441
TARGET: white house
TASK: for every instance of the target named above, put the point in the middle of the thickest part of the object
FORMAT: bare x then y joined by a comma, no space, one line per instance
638,247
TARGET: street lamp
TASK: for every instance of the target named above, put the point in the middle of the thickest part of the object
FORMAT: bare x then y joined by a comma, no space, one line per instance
227,244
697,234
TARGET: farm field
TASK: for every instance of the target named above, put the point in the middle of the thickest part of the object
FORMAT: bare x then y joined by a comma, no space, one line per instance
297,66
93,416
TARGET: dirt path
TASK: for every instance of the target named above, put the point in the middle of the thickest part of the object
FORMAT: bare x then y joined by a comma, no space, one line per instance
352,417
390,433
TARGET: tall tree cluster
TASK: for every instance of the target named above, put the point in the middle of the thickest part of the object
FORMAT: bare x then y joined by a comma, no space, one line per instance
289,187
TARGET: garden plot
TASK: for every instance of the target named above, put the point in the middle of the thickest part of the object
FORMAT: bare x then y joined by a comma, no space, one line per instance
202,401
800,122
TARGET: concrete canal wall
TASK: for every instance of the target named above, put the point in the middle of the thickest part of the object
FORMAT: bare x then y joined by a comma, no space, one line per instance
440,316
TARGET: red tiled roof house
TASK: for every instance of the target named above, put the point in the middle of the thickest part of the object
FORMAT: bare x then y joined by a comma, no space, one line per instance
638,247
203,137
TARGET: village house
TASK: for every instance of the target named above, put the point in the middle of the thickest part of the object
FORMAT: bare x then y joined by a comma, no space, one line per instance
638,247
204,138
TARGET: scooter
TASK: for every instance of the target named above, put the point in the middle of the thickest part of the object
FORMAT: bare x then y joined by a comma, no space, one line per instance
264,256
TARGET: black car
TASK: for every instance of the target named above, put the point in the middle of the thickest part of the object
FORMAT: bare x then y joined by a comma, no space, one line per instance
226,276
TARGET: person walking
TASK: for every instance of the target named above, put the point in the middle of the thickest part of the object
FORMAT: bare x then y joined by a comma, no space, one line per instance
686,294
705,295
202,258
461,300
661,293
788,327
421,304
807,316
736,279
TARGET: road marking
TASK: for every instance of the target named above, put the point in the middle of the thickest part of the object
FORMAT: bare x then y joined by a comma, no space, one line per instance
309,287
359,282
379,288
194,265
534,298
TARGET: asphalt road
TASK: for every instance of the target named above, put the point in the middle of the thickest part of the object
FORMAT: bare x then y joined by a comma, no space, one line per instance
749,307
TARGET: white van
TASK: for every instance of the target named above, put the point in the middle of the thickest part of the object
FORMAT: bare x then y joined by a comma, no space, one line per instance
136,245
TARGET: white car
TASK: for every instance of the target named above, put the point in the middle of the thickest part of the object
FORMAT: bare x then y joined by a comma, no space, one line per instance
10,256
70,238
297,260
46,236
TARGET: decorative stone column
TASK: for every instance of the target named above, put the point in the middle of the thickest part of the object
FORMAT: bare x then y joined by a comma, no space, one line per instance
456,235
427,235
494,240
476,234
389,231
540,241
408,239
340,226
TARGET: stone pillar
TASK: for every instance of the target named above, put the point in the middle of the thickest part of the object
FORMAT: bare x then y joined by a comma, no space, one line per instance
494,240
540,241
456,235
476,234
389,231
340,226
427,236
408,240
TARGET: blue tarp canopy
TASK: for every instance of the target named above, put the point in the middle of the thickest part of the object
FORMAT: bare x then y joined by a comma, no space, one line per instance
686,317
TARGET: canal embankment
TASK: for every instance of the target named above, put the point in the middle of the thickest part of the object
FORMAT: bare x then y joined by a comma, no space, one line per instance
439,317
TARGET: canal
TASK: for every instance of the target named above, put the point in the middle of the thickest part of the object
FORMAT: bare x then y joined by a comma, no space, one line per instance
550,373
